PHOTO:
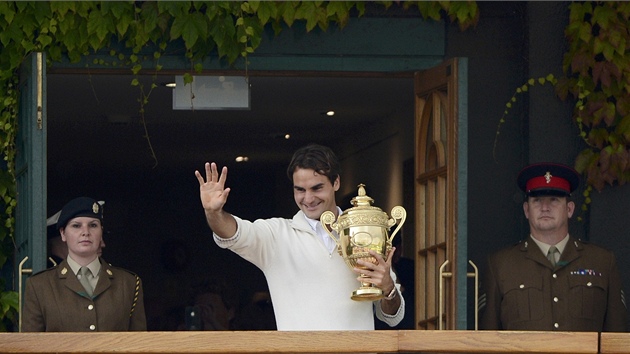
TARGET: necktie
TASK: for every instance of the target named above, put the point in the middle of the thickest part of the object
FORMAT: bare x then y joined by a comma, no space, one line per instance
84,272
551,255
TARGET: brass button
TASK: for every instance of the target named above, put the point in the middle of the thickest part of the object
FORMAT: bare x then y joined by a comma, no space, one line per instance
555,299
521,286
556,325
90,307
92,327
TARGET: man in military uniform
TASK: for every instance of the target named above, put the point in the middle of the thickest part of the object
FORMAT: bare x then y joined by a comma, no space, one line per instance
552,281
83,292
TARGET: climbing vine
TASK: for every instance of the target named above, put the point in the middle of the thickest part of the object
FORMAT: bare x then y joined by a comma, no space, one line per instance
549,79
229,30
597,72
597,77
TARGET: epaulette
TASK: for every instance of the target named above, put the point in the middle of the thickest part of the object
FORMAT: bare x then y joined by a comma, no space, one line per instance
122,269
45,270
117,268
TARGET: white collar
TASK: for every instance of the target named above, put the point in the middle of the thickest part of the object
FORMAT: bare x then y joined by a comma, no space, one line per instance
313,223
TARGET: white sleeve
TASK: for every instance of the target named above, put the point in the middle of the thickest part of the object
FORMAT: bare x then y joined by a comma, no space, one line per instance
227,242
391,320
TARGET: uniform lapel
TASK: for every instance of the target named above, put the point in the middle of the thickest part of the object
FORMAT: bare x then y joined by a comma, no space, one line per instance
571,252
534,253
69,279
104,278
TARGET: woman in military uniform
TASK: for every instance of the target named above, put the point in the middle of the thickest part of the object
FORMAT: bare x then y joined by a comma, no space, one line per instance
83,292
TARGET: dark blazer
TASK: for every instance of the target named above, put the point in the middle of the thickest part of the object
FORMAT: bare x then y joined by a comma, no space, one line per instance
55,301
524,292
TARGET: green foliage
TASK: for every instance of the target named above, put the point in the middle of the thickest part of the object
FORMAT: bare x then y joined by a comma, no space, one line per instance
466,13
597,70
597,76
8,308
72,30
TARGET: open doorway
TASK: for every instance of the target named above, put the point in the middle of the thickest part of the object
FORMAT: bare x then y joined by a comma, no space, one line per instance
98,146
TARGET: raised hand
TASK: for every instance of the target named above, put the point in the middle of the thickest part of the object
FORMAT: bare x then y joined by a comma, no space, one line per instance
212,190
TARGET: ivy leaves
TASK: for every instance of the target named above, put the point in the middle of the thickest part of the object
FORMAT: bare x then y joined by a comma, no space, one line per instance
598,75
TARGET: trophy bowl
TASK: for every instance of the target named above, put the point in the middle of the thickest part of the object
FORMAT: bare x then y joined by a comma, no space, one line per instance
360,229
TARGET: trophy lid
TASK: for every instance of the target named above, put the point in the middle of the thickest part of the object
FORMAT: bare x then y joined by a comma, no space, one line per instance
363,213
362,200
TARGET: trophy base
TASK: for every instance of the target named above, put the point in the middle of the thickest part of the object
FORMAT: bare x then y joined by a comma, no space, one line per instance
367,294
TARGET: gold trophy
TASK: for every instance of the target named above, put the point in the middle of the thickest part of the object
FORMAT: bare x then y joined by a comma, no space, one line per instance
361,228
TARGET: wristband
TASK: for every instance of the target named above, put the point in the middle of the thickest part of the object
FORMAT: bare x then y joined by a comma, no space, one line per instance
392,294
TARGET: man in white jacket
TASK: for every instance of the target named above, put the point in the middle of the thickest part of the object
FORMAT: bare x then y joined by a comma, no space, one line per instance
309,282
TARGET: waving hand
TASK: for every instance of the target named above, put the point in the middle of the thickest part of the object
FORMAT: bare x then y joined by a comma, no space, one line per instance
213,195
212,191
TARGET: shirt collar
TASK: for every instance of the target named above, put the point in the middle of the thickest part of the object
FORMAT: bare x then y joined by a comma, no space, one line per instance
313,223
94,266
545,247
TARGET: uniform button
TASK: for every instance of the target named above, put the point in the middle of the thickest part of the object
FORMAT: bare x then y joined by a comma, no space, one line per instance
555,275
92,327
556,325
555,299
589,284
90,307
521,286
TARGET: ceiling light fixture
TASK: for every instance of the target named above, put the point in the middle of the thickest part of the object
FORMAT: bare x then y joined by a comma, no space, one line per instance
329,113
242,159
287,136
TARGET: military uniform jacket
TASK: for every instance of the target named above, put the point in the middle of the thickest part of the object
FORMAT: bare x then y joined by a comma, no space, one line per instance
583,293
55,301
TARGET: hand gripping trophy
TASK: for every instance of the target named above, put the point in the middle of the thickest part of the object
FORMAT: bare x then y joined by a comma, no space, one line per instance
359,229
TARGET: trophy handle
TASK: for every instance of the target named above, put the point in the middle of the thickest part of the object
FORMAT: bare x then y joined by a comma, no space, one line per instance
398,213
328,218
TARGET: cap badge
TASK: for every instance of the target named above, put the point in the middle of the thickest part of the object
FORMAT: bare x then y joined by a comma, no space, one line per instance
548,177
95,207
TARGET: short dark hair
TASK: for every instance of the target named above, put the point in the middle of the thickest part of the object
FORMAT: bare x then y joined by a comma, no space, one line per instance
316,157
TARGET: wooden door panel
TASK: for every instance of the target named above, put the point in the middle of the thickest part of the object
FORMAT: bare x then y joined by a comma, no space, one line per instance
436,198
